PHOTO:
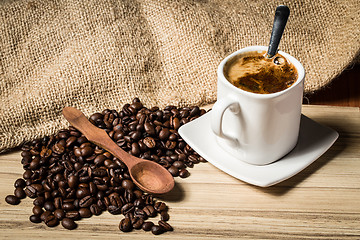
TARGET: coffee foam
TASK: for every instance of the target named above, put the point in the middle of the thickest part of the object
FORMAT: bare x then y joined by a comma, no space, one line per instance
254,72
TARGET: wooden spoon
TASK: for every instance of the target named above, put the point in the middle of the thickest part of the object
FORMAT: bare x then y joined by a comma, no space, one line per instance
147,175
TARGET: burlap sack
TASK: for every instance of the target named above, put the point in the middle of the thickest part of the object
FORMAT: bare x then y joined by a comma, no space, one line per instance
100,54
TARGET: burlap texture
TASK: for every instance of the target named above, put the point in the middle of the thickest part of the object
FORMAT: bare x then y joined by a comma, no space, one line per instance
100,54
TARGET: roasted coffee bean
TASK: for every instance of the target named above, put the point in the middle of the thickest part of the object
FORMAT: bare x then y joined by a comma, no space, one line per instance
178,164
68,206
184,173
86,201
164,216
95,209
139,203
149,210
165,225
11,199
68,223
149,128
73,181
125,225
137,222
49,206
160,206
127,184
37,210
149,142
20,183
82,192
147,226
35,218
164,134
140,213
127,208
19,193
51,221
174,171
44,215
73,214
59,214
30,191
86,151
85,212
114,209
156,230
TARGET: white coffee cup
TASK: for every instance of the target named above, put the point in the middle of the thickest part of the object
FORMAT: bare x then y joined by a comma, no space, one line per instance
257,128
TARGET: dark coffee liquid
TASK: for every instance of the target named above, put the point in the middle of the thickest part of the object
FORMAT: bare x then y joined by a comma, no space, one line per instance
254,72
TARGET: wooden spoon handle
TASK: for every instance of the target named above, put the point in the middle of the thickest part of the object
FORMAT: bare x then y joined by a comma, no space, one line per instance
96,135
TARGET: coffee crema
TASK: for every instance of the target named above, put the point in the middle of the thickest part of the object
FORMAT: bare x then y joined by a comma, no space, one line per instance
254,72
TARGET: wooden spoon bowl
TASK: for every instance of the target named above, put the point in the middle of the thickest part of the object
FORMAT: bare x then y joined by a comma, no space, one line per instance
147,175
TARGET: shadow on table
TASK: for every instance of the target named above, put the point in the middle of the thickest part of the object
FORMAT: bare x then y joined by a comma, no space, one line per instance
177,194
291,183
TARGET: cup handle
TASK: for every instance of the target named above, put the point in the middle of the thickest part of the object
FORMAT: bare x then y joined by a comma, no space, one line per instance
217,114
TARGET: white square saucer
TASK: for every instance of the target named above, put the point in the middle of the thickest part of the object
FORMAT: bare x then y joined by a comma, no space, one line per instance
314,140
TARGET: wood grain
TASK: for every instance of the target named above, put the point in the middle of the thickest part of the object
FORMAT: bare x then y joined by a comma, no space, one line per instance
321,202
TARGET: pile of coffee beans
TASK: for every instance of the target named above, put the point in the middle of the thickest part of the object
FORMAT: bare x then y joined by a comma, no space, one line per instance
70,178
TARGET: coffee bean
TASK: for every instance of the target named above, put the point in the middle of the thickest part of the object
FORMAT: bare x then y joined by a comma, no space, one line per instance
149,142
73,181
149,210
95,209
73,214
184,173
86,151
86,201
30,191
59,214
68,223
174,171
19,193
147,226
11,199
137,222
37,210
35,218
125,225
170,144
82,192
149,128
140,213
51,221
164,216
156,230
49,206
127,208
85,212
44,215
165,225
127,184
20,183
114,209
160,206
164,134
68,206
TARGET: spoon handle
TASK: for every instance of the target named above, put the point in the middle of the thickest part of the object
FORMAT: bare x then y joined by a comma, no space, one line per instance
281,16
96,135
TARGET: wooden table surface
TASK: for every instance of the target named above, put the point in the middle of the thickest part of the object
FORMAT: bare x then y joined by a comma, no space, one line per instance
321,202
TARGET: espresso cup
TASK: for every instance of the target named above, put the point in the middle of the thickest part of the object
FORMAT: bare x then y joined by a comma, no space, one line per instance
257,128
